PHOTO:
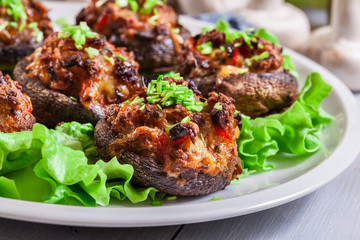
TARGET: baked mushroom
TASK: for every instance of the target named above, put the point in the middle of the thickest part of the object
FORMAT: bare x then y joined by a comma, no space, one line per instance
149,28
176,143
23,26
75,75
241,65
15,107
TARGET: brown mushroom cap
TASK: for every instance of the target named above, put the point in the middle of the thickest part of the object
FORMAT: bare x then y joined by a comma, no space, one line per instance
51,107
255,94
148,173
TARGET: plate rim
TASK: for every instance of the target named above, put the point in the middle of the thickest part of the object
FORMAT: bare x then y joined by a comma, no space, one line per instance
111,216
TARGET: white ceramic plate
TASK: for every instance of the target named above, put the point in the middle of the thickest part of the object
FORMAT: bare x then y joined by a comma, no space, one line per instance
292,178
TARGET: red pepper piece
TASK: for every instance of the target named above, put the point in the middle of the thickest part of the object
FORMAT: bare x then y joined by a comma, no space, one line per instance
101,23
221,132
181,140
235,56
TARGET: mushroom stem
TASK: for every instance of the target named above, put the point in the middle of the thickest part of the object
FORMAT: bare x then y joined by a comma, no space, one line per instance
345,19
265,4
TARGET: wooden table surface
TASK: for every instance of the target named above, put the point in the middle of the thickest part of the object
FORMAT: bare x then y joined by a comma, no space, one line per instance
332,212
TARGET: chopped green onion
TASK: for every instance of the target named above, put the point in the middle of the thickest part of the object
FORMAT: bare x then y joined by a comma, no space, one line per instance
173,75
100,3
218,106
122,58
142,107
13,24
260,46
134,6
236,112
243,70
205,48
222,26
237,44
216,198
109,59
222,48
62,22
15,8
73,99
4,25
159,106
156,203
170,198
39,36
267,36
92,52
77,33
262,56
202,137
138,101
32,25
186,119
22,26
206,29
175,30
165,94
149,5
152,20
121,3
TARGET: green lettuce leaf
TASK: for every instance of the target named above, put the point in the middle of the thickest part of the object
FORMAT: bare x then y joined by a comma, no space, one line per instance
295,131
54,166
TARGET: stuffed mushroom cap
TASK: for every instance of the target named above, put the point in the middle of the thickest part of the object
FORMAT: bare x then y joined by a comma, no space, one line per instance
148,28
23,24
15,107
241,65
183,149
73,77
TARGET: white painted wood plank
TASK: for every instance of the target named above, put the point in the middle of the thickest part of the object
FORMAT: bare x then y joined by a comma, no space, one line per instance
332,212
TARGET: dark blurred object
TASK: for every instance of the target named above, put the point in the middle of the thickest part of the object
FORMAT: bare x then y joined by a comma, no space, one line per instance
175,5
318,11
237,21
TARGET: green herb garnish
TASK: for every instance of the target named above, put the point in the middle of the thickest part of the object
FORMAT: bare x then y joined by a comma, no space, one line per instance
32,25
175,30
62,22
121,3
13,24
73,99
134,6
4,25
149,5
173,75
216,198
166,94
218,106
205,48
122,58
92,52
170,198
137,100
156,203
262,56
14,8
100,3
152,20
109,59
243,70
77,33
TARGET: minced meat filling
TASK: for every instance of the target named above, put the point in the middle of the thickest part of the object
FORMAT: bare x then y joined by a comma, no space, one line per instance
110,75
257,56
15,107
110,19
205,142
27,30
